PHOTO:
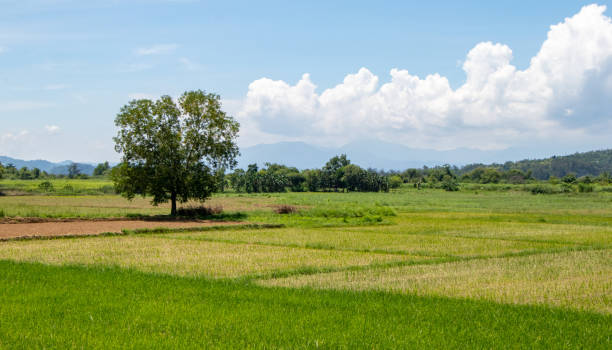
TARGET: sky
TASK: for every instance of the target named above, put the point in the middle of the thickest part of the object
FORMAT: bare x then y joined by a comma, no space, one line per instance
485,75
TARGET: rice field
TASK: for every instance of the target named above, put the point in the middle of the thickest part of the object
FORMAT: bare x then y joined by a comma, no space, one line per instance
416,269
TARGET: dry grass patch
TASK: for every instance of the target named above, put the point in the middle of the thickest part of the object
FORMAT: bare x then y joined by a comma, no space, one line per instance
186,257
480,228
577,279
371,239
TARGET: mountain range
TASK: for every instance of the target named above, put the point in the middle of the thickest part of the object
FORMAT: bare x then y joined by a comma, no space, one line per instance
367,154
59,168
379,155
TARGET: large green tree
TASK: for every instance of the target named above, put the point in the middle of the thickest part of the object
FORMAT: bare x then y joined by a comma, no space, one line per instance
171,150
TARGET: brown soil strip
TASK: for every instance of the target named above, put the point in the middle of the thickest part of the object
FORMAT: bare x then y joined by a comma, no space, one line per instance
86,228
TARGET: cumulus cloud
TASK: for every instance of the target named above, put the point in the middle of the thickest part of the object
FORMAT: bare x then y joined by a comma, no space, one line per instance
565,92
52,129
12,137
156,50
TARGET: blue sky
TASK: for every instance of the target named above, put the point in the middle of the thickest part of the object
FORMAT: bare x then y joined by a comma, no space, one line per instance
66,67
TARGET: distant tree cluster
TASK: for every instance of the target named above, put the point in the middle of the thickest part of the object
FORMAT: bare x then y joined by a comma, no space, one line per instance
9,171
338,174
102,169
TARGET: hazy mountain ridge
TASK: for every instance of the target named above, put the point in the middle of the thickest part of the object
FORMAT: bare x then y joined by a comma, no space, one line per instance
59,168
590,163
379,155
388,156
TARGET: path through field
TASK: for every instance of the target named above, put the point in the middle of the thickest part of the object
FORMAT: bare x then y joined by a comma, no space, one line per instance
92,227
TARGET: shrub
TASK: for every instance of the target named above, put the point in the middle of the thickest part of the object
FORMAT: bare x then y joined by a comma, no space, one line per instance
395,181
449,184
567,188
199,211
285,209
554,180
542,189
585,188
46,186
569,178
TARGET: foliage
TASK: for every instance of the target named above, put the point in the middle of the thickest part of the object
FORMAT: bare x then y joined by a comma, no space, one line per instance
585,188
172,150
102,169
449,184
338,174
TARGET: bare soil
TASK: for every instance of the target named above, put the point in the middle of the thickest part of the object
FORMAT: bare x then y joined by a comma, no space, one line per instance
92,227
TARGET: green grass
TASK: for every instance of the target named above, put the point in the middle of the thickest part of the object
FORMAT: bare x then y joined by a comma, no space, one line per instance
59,186
76,307
406,269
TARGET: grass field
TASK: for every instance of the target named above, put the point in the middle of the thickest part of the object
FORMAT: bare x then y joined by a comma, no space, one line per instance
416,269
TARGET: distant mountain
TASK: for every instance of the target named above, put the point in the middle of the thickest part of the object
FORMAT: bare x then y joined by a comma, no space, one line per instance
375,154
60,168
590,163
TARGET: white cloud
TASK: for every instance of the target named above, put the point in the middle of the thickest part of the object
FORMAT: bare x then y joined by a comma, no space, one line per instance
12,137
566,92
52,129
156,49
23,105
141,96
189,64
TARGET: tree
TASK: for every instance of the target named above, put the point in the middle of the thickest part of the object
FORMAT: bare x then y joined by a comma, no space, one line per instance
101,169
334,171
171,150
73,170
353,177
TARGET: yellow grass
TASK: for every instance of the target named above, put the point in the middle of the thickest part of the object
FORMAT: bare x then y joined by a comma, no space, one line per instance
186,258
372,239
577,279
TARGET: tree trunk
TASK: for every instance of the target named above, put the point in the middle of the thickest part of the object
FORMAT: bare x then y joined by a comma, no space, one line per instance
173,199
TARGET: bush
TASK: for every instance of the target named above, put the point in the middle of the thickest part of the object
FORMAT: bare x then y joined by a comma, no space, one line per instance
585,188
569,178
285,209
199,211
567,188
46,186
395,181
542,189
449,184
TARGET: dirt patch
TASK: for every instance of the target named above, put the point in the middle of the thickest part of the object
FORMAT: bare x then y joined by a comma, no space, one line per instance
93,227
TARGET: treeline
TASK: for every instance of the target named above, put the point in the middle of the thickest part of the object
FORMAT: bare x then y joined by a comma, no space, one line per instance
593,164
9,171
338,174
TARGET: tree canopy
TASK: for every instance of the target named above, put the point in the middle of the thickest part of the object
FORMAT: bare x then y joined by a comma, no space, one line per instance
171,150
